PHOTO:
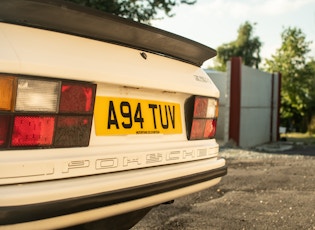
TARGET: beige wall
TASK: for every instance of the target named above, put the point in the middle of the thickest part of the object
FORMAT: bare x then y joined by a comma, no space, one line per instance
259,106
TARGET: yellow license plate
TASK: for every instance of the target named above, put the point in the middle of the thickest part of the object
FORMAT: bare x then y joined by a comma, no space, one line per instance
122,116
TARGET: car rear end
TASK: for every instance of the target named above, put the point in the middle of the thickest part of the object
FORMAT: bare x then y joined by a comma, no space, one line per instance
92,128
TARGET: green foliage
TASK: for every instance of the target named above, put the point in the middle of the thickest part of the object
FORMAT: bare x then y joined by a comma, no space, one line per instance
138,10
298,78
246,46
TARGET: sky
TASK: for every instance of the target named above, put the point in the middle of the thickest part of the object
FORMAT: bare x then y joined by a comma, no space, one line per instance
215,22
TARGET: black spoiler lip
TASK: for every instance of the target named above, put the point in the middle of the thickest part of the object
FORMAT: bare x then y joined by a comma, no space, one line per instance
70,18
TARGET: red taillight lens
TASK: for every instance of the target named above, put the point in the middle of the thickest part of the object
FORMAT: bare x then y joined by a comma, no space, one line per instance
76,98
204,118
5,121
32,131
197,129
40,112
210,128
200,107
73,131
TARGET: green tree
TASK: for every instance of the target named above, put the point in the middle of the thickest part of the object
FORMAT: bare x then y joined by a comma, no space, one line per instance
138,10
310,113
246,46
297,91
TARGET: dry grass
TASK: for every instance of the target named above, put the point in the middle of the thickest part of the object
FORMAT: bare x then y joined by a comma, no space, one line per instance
300,137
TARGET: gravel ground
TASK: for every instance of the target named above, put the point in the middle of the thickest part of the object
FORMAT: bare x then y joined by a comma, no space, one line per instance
261,191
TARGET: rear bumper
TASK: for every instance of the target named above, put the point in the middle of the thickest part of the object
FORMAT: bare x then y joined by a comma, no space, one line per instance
19,214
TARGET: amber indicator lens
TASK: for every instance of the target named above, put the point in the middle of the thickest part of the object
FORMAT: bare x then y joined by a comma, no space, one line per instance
7,87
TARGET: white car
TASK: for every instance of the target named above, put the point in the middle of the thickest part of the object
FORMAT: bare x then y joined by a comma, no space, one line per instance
101,118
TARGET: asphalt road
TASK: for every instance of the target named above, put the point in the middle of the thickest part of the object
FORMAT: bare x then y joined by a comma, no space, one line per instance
261,191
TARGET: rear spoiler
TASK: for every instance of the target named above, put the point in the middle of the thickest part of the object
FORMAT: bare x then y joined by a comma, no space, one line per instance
69,18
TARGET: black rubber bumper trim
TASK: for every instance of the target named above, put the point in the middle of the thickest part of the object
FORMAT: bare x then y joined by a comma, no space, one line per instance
27,213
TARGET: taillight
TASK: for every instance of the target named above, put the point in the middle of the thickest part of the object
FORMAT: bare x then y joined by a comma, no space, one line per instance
7,85
37,95
72,93
5,122
32,131
45,113
201,117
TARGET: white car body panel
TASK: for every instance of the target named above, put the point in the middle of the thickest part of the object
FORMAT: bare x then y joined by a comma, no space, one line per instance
58,55
49,62
116,163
